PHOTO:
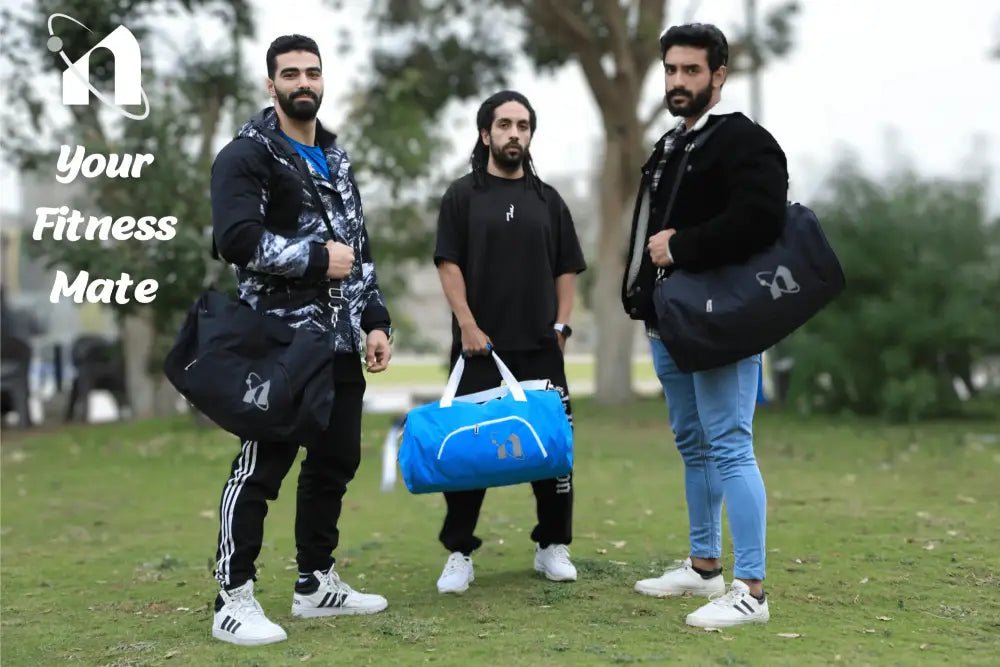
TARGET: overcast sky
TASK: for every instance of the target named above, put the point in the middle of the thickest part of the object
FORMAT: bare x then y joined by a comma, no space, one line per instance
894,81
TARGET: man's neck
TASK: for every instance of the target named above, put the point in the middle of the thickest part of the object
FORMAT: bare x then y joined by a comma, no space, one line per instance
302,131
494,170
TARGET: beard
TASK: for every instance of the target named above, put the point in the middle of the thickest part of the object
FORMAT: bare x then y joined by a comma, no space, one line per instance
508,161
299,104
696,103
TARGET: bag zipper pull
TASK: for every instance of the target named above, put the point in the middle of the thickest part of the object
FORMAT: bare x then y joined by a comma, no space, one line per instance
475,429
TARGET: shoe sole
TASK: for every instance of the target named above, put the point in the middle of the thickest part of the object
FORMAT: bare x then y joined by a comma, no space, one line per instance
672,594
319,612
552,577
455,591
725,624
224,636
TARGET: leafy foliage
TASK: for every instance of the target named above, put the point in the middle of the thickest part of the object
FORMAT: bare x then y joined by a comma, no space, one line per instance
429,55
922,302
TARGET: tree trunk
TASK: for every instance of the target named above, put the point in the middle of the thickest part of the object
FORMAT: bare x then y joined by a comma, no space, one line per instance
137,342
615,331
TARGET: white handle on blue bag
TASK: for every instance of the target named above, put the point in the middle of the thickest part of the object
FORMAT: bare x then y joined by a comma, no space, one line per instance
451,388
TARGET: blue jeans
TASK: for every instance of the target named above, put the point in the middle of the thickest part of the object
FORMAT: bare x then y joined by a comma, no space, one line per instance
711,414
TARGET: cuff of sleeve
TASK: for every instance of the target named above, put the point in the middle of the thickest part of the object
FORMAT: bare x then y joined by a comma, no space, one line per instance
679,250
375,316
319,261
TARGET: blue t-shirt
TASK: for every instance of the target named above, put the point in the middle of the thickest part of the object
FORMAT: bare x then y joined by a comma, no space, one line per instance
312,154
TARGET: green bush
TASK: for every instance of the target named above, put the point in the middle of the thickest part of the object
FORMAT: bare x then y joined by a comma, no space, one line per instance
922,302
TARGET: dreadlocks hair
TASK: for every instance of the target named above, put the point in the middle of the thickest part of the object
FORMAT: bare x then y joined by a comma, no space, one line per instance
481,153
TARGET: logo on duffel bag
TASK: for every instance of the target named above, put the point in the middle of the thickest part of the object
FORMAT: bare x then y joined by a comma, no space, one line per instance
515,447
787,284
257,391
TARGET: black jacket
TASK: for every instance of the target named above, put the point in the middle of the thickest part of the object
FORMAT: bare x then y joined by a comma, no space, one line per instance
268,223
730,205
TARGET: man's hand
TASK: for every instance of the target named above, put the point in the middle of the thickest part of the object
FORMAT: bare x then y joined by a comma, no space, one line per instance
341,260
657,247
474,341
561,338
379,351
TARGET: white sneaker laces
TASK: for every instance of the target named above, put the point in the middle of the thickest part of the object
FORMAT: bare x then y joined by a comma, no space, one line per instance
454,565
246,605
681,566
727,599
560,553
336,582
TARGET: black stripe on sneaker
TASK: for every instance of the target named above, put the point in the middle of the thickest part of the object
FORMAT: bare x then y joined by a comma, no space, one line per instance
339,600
325,599
236,627
747,605
228,621
740,609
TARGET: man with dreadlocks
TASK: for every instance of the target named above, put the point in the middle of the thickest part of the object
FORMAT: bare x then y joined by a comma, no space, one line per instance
507,255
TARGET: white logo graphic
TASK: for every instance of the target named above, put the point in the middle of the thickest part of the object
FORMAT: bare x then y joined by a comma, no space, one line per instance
781,283
510,213
708,306
257,391
128,71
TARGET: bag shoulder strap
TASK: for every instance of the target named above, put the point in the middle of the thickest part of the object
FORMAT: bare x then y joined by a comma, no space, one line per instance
692,146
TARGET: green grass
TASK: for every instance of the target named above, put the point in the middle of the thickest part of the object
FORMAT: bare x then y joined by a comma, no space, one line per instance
883,550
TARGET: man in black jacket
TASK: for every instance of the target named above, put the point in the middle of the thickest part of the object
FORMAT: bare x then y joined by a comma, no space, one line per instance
278,190
730,203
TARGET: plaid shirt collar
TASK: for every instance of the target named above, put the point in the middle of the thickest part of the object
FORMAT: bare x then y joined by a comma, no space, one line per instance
679,131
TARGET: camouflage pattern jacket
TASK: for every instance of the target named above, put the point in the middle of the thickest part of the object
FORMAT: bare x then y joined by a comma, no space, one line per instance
267,223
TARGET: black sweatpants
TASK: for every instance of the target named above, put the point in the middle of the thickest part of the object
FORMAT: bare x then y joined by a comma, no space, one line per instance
553,497
257,473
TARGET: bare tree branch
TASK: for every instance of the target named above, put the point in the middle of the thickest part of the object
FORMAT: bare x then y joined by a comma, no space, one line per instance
646,44
614,18
568,22
651,116
570,32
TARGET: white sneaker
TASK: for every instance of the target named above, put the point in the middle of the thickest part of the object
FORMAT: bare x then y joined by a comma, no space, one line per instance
734,608
333,597
681,580
457,574
242,621
553,561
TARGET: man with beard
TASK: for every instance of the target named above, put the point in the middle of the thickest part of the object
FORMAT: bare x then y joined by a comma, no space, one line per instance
730,204
277,190
507,256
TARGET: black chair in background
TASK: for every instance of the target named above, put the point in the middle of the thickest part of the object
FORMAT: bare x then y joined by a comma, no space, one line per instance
99,366
14,366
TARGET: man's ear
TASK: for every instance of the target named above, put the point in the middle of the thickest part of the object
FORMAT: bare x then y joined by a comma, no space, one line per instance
269,84
485,136
719,76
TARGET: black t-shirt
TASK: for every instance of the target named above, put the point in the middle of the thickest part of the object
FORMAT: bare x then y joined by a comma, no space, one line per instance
510,243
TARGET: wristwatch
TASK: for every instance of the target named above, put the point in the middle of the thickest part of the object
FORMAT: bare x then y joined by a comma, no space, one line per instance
565,329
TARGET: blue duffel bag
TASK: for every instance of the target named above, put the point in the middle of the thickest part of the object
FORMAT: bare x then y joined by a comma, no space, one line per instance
516,433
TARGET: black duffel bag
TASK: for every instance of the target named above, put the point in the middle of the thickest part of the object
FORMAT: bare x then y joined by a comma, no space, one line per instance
251,373
713,318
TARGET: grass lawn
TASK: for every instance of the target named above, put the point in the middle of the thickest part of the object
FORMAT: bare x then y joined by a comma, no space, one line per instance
884,549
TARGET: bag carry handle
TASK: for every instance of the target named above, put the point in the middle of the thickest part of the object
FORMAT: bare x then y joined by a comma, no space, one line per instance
451,388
